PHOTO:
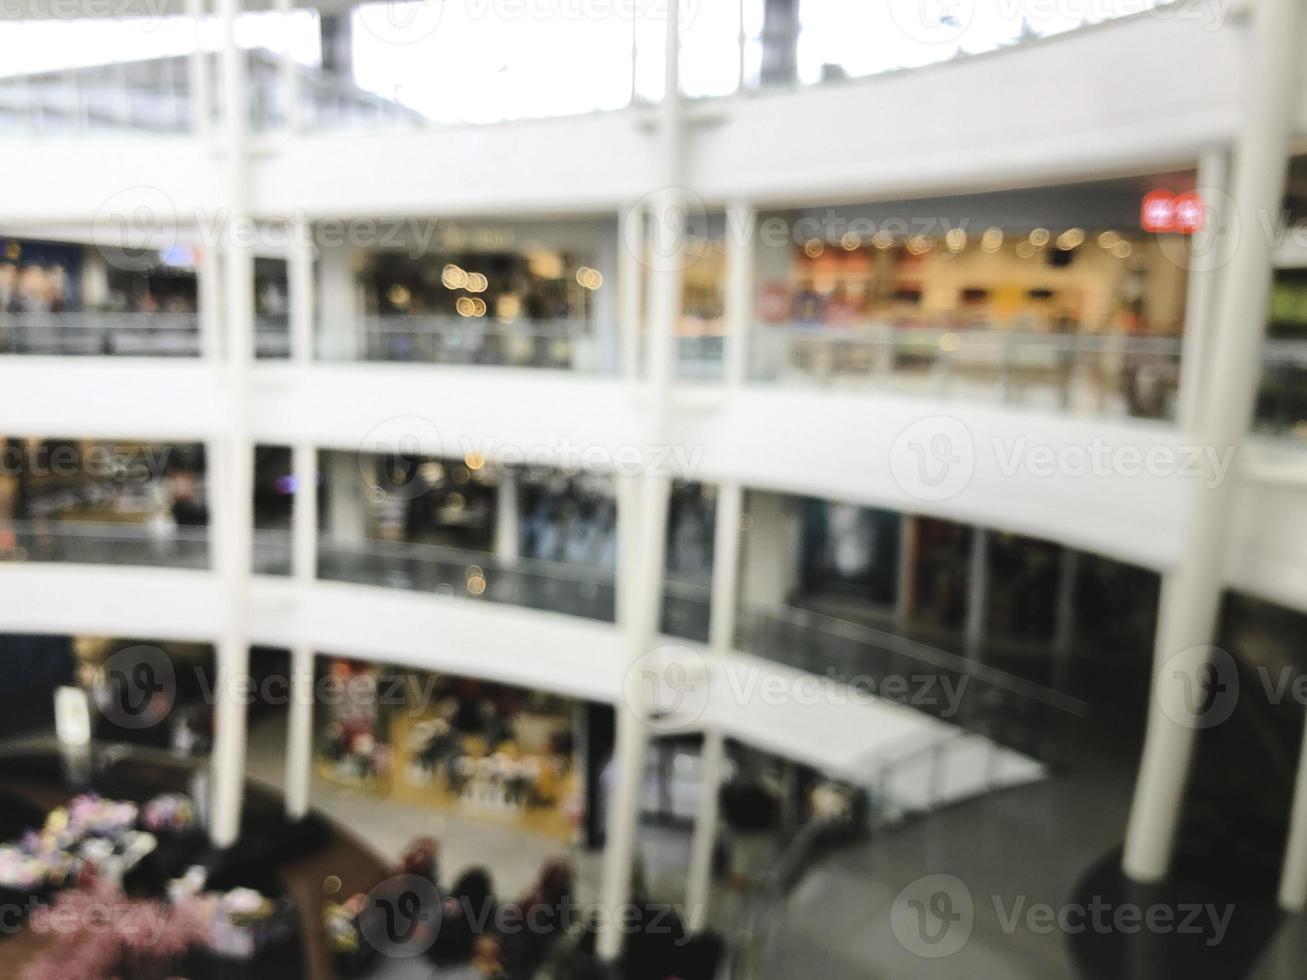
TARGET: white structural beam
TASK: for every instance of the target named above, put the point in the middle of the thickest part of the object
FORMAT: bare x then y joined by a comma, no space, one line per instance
233,481
1192,589
304,560
1206,251
630,291
741,256
198,68
300,289
508,535
721,635
649,559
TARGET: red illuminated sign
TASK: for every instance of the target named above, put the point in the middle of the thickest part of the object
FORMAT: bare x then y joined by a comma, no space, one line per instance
1166,213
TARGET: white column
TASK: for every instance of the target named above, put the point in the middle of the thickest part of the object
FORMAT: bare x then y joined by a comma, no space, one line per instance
1199,320
209,296
721,628
339,317
289,71
234,485
741,255
771,569
605,310
299,276
977,593
508,537
347,507
630,289
649,558
198,68
1191,591
304,562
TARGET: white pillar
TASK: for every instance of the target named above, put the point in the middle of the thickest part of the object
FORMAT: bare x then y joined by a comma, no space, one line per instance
605,311
234,483
299,287
725,592
340,312
304,560
1191,591
209,297
771,567
508,537
198,68
289,71
630,289
741,256
698,890
347,507
1199,320
977,593
649,558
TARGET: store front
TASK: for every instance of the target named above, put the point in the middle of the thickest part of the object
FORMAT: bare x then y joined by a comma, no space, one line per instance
487,751
1060,297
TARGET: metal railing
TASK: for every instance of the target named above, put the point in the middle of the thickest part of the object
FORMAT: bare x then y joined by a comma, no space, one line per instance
99,543
1010,710
81,334
576,590
557,344
1097,374
101,334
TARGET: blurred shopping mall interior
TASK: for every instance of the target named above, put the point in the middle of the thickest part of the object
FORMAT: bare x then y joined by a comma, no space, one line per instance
628,490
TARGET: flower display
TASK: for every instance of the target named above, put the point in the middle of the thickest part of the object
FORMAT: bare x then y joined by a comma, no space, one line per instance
169,813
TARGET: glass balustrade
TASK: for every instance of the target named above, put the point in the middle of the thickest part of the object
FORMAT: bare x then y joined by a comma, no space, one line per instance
1083,374
101,334
964,692
162,545
555,344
